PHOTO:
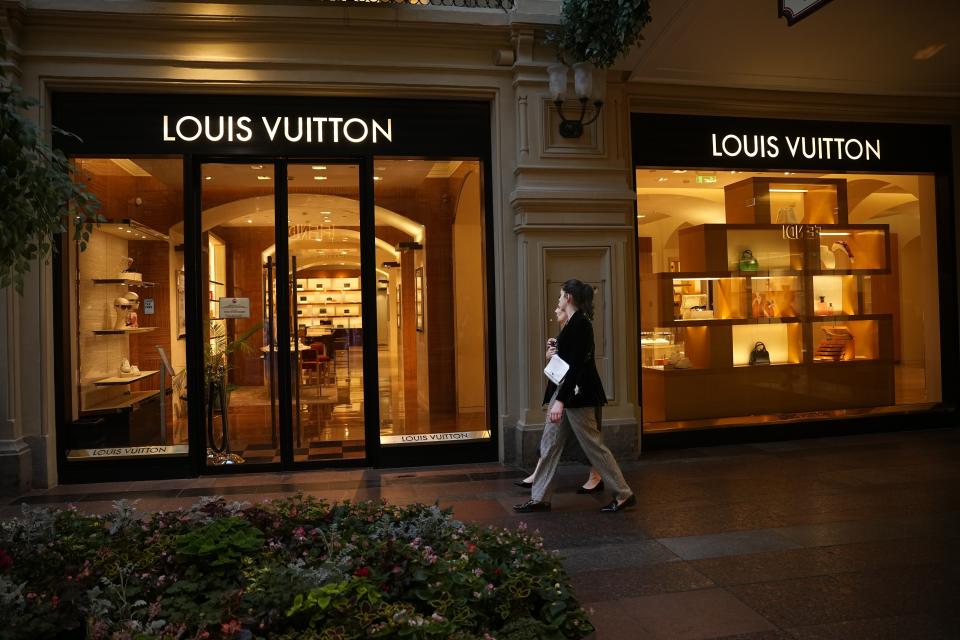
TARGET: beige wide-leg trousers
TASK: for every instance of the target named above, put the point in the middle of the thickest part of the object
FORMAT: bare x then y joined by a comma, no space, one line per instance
582,421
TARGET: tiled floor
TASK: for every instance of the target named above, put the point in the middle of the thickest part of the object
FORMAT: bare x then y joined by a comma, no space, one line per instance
830,538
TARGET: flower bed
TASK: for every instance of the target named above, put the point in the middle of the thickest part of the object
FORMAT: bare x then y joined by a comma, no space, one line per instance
294,568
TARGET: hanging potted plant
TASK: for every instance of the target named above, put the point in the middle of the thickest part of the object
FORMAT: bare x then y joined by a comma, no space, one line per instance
599,31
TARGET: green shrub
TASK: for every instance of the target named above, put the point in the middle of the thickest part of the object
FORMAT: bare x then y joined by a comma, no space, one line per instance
292,568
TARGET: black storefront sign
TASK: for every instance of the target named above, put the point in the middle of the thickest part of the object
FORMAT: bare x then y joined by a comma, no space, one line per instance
661,140
223,125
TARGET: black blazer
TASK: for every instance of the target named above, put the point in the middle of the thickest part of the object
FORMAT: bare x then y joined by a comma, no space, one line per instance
581,387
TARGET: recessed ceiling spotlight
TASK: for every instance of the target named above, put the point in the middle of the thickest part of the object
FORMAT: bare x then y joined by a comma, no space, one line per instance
662,179
263,177
787,173
319,167
679,170
319,177
325,213
208,178
249,221
256,167
928,52
640,216
377,177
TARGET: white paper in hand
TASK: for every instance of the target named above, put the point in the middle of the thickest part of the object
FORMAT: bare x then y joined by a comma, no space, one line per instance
556,369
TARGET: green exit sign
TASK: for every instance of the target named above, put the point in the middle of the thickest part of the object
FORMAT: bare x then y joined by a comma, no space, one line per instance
706,179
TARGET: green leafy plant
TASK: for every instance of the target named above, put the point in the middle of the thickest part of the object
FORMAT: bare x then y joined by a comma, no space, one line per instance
39,197
218,350
295,568
598,31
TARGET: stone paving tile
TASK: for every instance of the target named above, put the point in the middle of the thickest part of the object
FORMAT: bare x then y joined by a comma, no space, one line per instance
475,510
614,556
806,601
615,584
717,518
733,543
765,567
907,590
831,533
775,634
916,627
692,615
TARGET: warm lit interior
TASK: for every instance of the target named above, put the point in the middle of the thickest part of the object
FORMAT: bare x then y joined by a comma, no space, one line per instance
829,278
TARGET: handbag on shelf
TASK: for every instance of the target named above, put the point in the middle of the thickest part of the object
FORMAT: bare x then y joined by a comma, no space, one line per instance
748,262
759,355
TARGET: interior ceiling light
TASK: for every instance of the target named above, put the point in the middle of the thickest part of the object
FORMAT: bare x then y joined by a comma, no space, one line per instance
131,167
679,170
378,178
788,190
443,169
249,221
318,167
640,215
319,177
208,178
928,52
256,167
661,179
263,177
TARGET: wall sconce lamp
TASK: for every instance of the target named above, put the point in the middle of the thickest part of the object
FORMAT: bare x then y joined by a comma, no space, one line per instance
585,86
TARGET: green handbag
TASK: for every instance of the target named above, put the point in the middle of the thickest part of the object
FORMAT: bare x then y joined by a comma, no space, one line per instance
748,262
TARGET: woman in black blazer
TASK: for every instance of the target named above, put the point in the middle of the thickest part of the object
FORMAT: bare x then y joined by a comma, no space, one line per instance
574,405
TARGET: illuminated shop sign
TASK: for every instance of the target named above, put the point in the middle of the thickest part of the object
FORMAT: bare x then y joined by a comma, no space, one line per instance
734,145
296,129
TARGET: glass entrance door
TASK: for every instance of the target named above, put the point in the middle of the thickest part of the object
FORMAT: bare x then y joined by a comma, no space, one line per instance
323,210
283,356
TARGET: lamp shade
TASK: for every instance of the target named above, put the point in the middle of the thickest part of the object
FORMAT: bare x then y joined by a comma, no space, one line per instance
599,85
583,79
558,80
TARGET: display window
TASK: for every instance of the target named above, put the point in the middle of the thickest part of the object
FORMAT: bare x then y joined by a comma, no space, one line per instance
431,301
776,295
126,314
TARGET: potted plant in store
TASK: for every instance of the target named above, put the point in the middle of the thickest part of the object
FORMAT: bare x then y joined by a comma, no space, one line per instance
217,361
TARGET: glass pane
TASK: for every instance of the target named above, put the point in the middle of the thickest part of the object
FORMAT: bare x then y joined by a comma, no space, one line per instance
325,309
129,383
767,297
237,218
431,301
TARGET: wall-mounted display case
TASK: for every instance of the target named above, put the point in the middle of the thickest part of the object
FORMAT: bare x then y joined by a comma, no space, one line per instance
789,275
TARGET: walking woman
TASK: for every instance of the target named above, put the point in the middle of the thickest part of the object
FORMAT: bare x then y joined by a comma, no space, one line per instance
574,405
593,484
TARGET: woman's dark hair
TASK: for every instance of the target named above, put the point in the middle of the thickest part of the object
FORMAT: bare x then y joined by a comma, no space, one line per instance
582,295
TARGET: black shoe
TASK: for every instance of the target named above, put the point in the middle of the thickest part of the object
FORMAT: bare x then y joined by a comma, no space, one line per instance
531,506
523,483
615,506
596,489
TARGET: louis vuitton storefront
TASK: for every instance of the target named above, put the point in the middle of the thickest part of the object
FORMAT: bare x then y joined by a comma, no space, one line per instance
278,283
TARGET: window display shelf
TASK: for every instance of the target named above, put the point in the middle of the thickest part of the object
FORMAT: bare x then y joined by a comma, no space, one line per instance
695,322
120,380
126,401
124,281
108,332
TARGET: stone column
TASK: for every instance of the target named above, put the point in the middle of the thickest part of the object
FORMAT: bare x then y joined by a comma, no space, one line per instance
573,207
